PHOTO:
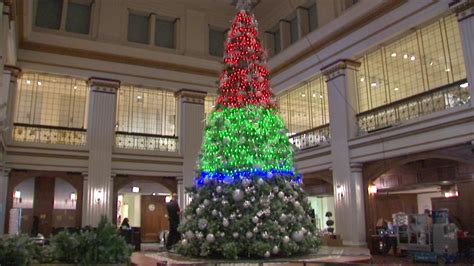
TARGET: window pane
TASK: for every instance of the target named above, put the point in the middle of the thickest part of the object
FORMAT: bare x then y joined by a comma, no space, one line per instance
164,33
293,30
216,42
305,106
425,59
51,100
48,13
138,28
78,18
313,17
146,110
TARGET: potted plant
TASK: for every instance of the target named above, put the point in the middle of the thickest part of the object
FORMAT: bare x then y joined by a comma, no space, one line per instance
329,222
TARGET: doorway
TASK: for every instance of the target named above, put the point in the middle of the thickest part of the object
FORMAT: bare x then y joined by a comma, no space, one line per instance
143,202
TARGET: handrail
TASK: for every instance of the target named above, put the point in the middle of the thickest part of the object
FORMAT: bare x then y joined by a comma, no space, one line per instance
410,98
309,130
144,141
146,135
311,138
49,127
48,134
442,98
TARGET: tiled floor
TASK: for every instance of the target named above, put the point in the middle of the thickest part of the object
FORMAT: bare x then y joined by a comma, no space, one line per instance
325,255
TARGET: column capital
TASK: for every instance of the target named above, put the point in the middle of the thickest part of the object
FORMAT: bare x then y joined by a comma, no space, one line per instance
14,70
356,167
104,85
463,8
336,68
191,96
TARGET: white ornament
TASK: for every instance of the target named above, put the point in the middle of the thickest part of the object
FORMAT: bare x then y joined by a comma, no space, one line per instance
283,218
206,202
225,222
265,235
184,242
199,211
225,202
286,239
248,235
214,212
189,235
275,250
246,182
297,236
235,235
210,238
219,189
297,204
267,254
255,219
202,223
246,204
238,195
255,230
275,189
281,194
260,181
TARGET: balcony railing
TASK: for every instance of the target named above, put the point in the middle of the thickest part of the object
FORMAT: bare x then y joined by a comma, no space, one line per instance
311,138
446,97
48,134
149,142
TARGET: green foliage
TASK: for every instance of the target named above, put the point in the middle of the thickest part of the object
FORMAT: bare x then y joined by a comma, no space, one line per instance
267,200
16,250
100,246
245,138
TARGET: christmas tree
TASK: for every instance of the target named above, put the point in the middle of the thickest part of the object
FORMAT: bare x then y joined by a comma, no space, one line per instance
247,199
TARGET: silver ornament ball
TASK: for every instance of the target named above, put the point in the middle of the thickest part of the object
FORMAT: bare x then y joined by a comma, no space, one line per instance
238,195
210,238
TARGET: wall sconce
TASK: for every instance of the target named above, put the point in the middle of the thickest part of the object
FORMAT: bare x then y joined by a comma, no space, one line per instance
135,189
98,197
17,196
339,191
73,197
372,189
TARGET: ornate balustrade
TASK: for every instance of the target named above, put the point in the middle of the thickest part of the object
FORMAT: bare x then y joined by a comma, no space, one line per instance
150,142
311,138
48,134
446,97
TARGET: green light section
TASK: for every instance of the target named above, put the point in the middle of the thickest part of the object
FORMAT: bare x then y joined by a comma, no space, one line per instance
245,138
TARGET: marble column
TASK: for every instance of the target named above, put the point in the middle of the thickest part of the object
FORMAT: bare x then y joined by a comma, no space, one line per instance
465,13
4,173
8,96
347,178
98,185
190,117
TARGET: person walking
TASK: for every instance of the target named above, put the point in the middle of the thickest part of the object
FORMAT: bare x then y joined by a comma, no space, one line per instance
173,217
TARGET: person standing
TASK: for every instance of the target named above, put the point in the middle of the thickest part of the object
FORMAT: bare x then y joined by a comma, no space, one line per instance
173,217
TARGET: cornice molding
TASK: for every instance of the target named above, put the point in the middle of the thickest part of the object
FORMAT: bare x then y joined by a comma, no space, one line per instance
14,70
464,8
191,96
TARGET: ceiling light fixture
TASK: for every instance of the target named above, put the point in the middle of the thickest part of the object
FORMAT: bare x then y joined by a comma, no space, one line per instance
373,84
396,89
39,83
394,54
362,79
405,56
412,58
28,82
464,85
303,95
